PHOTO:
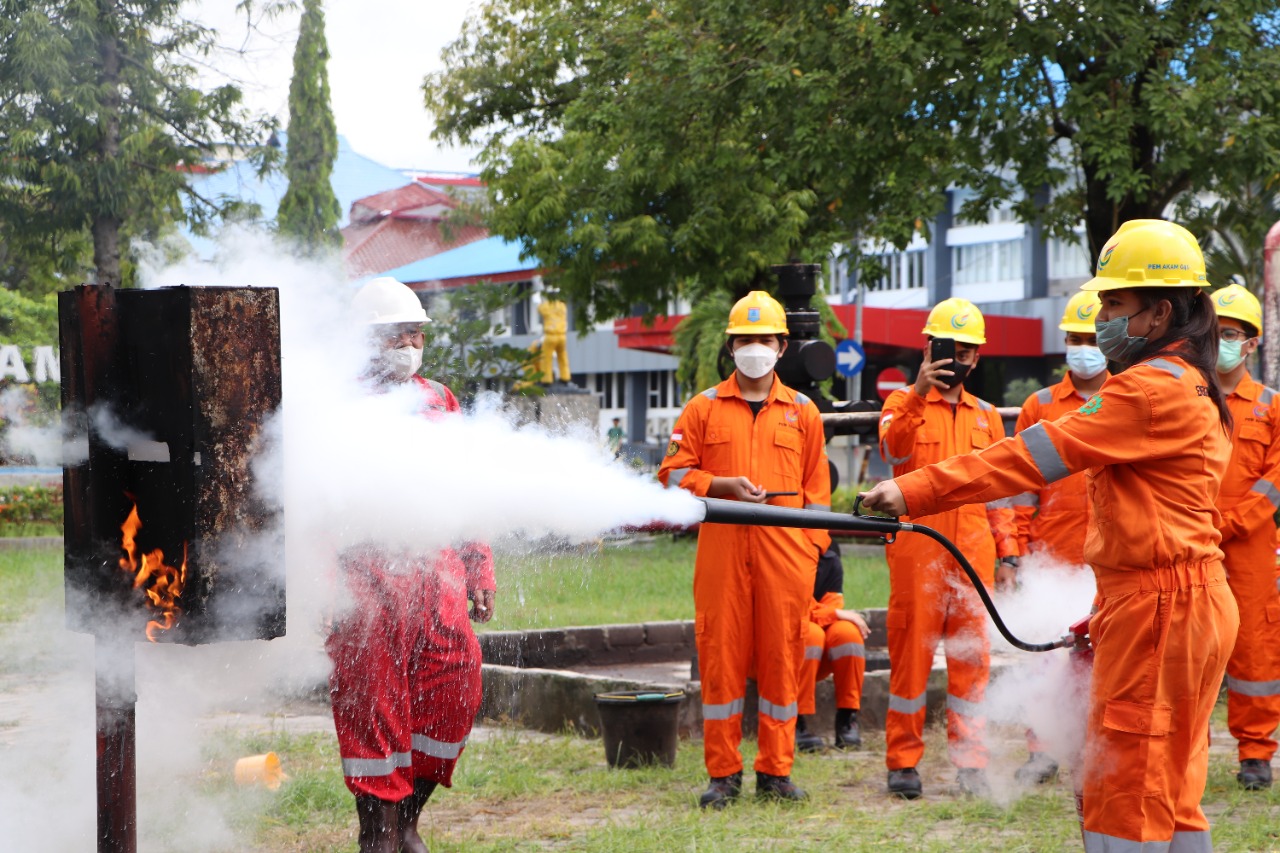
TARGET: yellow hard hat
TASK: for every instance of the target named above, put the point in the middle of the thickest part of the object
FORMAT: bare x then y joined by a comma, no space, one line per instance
1149,253
1237,302
757,313
1081,313
958,319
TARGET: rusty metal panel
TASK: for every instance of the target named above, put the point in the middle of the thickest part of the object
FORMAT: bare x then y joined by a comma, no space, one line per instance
169,390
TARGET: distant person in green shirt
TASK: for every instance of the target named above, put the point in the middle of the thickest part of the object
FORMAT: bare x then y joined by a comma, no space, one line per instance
615,436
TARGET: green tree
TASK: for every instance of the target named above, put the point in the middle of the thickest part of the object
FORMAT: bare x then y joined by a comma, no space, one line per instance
633,147
309,211
100,116
464,347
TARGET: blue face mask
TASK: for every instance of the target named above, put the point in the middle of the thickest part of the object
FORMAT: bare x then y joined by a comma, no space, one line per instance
1085,362
1115,341
1229,355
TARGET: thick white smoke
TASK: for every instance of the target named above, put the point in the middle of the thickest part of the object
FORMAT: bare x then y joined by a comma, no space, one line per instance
356,467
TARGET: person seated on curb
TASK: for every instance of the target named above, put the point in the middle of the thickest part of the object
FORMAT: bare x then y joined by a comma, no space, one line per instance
834,647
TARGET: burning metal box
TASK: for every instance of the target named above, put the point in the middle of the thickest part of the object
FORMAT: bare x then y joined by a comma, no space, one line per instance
165,394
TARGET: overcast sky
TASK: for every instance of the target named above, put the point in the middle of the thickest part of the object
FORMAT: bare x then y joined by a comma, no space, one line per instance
380,50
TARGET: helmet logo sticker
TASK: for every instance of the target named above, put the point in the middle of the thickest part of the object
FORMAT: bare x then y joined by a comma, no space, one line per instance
1226,298
1106,256
959,321
753,315
1085,312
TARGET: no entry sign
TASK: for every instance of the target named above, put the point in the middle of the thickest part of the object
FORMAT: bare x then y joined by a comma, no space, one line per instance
890,380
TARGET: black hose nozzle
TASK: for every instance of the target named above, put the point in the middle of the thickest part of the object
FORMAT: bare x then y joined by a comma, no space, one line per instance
763,515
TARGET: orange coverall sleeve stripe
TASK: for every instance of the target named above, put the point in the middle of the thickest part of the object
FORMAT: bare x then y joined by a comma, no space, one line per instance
683,468
1087,438
1250,503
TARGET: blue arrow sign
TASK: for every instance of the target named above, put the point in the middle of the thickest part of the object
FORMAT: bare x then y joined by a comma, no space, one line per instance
850,359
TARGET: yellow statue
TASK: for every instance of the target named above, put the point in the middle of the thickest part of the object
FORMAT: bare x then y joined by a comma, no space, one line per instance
555,328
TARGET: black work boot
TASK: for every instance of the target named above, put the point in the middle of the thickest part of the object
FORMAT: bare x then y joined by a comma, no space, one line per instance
379,825
778,788
1254,775
407,812
905,783
722,791
973,782
807,741
1039,769
848,736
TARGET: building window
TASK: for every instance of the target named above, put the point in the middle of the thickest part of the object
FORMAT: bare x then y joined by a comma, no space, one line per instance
901,270
981,263
661,388
1067,259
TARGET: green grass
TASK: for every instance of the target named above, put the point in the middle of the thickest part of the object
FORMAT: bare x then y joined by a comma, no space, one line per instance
519,792
30,578
644,581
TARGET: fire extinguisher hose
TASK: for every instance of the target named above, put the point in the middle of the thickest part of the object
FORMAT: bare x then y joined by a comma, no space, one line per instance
719,511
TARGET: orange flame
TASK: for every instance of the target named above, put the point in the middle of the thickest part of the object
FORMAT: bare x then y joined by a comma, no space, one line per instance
166,581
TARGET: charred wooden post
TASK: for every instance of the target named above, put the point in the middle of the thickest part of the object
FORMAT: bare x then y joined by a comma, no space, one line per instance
164,396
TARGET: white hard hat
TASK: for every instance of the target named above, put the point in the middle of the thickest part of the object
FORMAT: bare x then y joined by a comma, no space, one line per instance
385,300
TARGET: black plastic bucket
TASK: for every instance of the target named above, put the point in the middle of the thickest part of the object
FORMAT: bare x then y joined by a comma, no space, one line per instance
640,727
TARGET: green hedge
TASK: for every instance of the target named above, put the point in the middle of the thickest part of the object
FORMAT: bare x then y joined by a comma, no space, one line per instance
31,510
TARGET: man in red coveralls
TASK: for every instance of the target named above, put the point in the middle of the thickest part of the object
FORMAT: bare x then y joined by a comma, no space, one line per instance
406,664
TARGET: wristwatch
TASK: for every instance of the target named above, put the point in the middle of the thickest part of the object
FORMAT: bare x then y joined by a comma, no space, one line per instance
1010,561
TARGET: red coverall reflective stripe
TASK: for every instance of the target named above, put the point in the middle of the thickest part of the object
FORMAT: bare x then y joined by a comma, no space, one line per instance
752,585
930,597
1054,519
833,647
405,685
1249,500
1156,454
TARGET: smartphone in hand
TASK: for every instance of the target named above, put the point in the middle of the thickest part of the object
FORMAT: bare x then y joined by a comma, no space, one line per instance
940,348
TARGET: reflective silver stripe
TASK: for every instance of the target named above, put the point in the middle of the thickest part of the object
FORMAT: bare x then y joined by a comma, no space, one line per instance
1268,490
907,706
374,767
437,748
1003,503
802,399
1168,366
985,406
1266,396
1025,499
1096,842
822,507
675,476
1043,453
963,707
1191,842
1044,396
813,652
847,650
722,712
781,713
1253,688
710,393
892,460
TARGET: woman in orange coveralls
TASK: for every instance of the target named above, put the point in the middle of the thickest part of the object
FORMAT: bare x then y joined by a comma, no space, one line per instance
1155,443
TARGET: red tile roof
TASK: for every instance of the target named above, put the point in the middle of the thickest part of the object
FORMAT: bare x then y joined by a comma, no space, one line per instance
374,247
412,201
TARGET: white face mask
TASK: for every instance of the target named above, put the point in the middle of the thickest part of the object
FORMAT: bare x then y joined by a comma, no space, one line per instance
755,360
1085,361
399,364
